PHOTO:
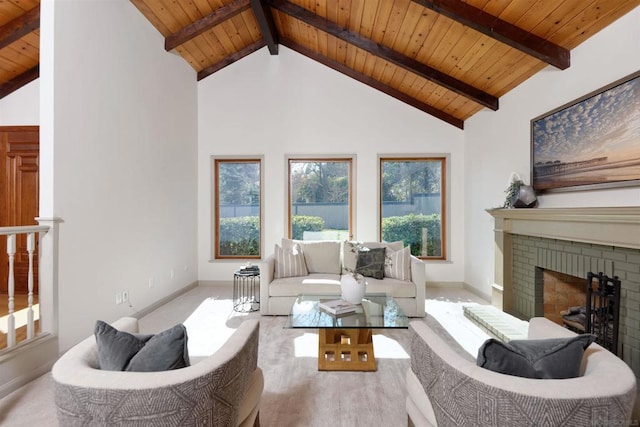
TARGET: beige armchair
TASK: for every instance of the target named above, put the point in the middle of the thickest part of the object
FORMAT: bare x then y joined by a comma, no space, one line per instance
446,388
223,389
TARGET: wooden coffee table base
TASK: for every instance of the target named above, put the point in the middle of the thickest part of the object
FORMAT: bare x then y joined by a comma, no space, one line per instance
345,350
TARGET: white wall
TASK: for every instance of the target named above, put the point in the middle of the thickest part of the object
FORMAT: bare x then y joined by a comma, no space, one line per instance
498,143
120,135
288,104
22,107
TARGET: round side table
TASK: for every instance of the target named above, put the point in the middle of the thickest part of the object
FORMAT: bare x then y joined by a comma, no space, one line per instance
246,292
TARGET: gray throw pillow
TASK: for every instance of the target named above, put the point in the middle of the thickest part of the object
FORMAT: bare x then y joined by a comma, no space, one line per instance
122,351
554,358
371,262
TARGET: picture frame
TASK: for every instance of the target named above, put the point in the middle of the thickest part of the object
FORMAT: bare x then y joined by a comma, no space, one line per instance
592,142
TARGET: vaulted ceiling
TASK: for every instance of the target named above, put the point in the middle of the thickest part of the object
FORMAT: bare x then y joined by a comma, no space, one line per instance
448,58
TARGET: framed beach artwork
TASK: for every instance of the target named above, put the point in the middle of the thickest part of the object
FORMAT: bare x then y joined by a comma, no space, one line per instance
592,142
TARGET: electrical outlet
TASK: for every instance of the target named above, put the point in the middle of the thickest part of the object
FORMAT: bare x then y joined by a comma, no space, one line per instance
125,296
118,298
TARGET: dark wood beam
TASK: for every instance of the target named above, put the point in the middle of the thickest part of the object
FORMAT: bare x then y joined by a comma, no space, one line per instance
500,30
20,80
216,17
370,81
19,27
387,54
228,60
267,25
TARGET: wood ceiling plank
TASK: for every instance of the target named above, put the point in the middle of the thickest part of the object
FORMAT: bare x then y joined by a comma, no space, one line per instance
381,20
481,47
19,27
186,55
204,7
233,33
407,28
251,25
373,83
396,18
355,18
591,20
199,26
421,32
439,28
224,39
502,30
388,54
350,59
558,18
344,13
360,58
369,12
451,38
451,62
332,42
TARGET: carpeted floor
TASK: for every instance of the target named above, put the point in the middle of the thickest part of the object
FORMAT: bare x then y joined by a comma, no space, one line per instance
295,393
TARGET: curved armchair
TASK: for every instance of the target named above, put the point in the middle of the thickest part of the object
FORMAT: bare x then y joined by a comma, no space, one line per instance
223,389
446,388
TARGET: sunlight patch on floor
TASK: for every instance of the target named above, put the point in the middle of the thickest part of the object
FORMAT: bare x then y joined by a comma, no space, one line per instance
388,348
306,345
206,327
450,315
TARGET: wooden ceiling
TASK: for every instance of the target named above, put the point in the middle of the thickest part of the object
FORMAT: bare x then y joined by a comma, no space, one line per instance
448,58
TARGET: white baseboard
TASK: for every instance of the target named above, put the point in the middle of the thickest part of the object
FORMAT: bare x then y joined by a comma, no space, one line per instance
163,301
215,282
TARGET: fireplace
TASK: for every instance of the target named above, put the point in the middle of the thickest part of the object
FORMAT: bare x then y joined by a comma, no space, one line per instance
533,242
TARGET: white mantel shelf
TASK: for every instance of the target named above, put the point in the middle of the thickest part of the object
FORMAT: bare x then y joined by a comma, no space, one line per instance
610,226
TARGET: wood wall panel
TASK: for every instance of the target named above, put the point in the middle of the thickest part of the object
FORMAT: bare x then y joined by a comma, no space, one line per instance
19,186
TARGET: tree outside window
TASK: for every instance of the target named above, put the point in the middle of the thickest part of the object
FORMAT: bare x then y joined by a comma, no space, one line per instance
237,208
320,199
413,204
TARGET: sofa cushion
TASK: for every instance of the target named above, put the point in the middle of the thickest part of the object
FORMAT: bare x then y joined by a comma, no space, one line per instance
321,256
122,351
289,262
370,262
314,283
394,287
398,265
555,358
350,251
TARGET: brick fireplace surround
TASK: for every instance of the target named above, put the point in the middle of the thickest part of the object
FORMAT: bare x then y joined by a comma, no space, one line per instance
571,241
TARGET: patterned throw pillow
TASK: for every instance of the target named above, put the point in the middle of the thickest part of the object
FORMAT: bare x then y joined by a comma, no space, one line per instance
289,262
399,264
371,262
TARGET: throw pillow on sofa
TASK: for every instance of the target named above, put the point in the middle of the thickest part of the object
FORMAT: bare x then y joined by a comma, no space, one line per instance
554,358
289,262
399,264
371,262
122,351
350,252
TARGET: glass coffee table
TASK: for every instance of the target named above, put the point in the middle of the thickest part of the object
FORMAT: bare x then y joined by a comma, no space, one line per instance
345,340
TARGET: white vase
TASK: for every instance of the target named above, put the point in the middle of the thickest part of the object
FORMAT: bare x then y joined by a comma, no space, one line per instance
352,289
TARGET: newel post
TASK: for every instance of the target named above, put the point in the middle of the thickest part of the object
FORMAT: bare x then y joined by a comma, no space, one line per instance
48,275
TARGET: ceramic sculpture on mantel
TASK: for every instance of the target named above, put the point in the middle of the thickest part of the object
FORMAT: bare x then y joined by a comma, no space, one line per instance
519,195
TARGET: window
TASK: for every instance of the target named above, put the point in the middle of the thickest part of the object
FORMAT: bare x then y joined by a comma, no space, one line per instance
412,204
238,195
320,194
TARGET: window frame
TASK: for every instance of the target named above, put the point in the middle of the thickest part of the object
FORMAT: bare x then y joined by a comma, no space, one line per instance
216,161
444,196
350,159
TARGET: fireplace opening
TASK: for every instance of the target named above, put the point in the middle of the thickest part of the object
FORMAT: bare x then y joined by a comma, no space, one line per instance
590,305
560,293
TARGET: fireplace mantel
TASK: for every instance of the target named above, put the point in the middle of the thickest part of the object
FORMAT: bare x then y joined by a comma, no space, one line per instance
611,226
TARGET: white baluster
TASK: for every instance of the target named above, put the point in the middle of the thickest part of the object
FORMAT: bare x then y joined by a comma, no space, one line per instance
11,326
31,245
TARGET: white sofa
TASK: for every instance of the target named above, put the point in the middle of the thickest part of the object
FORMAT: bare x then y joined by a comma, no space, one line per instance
223,389
326,261
444,387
